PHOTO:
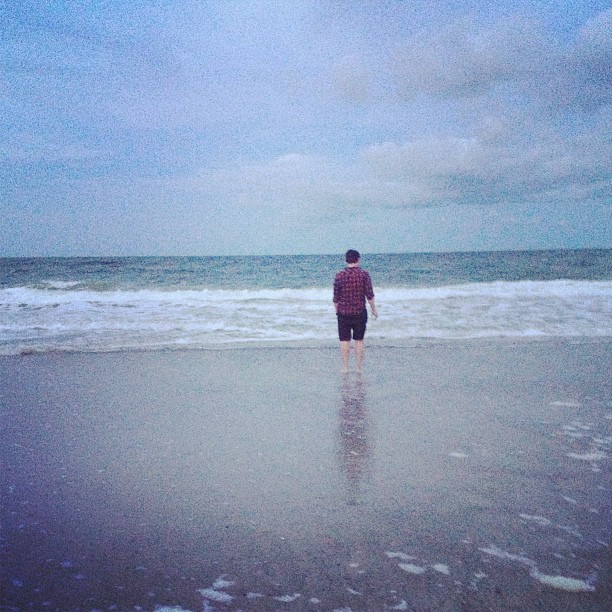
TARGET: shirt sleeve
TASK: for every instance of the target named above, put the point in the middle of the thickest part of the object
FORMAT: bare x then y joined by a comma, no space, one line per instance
369,290
336,290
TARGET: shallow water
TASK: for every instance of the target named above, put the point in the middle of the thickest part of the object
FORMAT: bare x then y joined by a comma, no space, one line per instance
468,474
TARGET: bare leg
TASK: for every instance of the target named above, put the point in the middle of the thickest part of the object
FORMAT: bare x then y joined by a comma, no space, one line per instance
359,353
345,350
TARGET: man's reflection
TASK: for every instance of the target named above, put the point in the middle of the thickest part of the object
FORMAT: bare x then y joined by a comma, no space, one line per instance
354,448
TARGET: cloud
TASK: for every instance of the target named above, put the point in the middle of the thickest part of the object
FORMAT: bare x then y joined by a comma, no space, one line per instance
496,163
493,165
291,115
353,78
514,57
531,117
108,66
287,181
590,62
468,59
593,47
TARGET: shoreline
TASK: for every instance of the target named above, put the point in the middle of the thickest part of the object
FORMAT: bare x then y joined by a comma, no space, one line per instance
449,475
377,344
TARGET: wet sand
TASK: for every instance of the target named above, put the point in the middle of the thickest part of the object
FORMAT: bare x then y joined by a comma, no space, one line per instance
449,476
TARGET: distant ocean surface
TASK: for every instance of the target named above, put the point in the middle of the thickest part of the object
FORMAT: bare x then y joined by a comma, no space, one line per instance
144,303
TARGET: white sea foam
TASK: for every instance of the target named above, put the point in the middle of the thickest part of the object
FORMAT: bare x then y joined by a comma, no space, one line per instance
399,555
411,568
595,456
540,520
288,598
56,284
61,316
573,585
558,582
502,554
214,595
222,583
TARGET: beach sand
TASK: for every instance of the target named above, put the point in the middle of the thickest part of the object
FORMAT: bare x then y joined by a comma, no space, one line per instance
470,475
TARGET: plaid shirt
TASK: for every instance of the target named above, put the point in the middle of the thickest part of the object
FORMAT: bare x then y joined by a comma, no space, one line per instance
351,288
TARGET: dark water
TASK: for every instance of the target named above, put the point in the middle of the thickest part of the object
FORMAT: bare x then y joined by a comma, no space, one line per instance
305,271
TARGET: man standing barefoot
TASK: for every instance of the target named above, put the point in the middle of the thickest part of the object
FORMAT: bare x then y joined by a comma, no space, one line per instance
352,287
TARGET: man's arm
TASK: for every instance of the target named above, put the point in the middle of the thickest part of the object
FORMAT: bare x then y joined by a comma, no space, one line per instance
369,293
372,304
336,293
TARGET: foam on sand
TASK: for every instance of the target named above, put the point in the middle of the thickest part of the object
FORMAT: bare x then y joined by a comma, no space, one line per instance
564,583
502,554
400,555
540,520
411,568
221,583
596,456
288,598
573,585
218,596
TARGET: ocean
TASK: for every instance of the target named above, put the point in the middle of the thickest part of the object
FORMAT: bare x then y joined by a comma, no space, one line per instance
160,303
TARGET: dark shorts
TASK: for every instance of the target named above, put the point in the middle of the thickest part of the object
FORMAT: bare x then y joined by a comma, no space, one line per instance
352,323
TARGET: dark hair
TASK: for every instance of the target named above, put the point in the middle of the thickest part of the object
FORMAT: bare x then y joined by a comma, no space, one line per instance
352,256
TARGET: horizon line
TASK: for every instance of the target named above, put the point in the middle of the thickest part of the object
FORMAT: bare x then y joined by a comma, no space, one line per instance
310,254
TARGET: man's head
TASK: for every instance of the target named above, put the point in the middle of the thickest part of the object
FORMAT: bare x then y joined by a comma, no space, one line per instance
352,256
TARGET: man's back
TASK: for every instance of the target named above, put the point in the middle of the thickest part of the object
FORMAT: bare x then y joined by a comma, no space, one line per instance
352,286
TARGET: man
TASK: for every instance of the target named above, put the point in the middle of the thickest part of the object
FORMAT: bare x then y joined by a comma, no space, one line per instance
352,287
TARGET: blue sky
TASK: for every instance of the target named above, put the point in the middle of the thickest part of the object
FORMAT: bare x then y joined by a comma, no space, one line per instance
167,127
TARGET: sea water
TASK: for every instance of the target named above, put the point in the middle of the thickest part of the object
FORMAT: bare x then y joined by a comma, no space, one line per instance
137,303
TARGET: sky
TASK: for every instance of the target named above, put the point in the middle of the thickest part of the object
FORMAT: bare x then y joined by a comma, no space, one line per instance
184,127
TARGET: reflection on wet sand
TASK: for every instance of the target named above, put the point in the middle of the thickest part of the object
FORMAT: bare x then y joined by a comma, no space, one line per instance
354,452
